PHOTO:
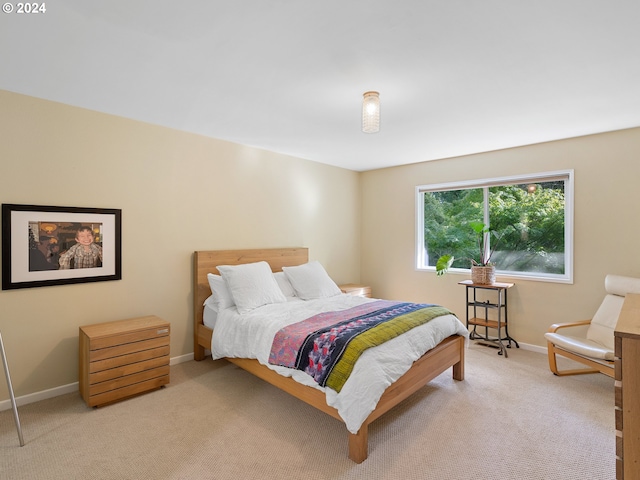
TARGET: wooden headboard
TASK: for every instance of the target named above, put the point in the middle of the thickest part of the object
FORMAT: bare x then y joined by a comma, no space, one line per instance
206,261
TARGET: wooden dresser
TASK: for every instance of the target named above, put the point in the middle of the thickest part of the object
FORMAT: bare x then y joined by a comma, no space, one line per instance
123,358
627,374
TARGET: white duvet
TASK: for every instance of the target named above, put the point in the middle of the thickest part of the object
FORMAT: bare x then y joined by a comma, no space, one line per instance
250,336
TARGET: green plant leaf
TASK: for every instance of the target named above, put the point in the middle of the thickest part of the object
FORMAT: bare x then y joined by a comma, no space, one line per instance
443,264
478,227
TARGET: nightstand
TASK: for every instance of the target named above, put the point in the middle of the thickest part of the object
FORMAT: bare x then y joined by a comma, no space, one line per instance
123,358
356,289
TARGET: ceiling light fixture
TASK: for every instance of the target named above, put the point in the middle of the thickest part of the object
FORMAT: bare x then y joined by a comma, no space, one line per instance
371,112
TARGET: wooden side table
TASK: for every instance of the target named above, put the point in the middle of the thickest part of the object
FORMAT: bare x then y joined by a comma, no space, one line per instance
356,289
123,358
478,314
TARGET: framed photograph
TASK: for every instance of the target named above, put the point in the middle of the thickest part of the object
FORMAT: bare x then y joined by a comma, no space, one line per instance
45,245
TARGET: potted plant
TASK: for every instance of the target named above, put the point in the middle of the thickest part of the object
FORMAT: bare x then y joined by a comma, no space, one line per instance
482,270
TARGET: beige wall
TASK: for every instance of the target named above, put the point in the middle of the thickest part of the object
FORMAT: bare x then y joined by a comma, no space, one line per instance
607,169
178,193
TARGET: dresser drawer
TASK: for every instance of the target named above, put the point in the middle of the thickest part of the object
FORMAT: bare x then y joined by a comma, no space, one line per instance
128,391
125,371
118,361
124,381
127,348
125,338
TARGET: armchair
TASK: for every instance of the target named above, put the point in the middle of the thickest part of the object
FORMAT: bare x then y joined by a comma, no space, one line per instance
596,349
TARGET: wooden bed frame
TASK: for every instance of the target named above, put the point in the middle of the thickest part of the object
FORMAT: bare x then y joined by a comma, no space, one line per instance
449,353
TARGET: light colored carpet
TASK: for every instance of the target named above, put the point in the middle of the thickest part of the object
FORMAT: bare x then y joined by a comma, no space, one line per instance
510,419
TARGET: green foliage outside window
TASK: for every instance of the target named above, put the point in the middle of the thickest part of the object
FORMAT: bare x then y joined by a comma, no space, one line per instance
528,218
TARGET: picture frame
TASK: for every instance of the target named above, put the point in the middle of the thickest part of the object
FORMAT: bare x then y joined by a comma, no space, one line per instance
48,245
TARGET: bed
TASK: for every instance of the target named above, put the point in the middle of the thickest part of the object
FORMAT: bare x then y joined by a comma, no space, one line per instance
448,353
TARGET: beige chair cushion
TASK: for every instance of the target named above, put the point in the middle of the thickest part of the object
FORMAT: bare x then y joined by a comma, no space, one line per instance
619,285
581,346
604,321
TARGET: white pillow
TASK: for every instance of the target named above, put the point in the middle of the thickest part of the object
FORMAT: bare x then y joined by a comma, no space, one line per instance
219,291
311,280
252,285
284,284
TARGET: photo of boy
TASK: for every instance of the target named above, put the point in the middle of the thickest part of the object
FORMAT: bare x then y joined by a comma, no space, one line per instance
84,254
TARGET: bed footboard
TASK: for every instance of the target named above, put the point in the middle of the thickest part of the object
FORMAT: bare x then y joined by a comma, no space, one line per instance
448,353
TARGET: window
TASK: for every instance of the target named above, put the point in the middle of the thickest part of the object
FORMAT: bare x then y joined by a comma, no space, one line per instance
532,217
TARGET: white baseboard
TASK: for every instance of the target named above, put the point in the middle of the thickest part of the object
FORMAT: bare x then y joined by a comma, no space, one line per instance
37,396
181,359
524,346
73,387
70,388
533,348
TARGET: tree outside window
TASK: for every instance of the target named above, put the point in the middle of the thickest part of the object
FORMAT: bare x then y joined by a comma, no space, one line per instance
530,215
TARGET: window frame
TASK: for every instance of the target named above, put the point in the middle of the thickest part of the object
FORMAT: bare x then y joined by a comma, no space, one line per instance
564,175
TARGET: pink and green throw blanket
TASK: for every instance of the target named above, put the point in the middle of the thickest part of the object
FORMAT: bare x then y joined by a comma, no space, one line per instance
327,346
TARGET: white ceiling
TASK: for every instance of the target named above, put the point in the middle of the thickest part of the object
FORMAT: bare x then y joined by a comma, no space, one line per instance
455,76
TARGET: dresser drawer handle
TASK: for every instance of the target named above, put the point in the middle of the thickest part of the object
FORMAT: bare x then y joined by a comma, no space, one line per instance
163,330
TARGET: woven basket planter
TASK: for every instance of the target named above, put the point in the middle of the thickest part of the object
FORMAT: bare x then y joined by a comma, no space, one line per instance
483,275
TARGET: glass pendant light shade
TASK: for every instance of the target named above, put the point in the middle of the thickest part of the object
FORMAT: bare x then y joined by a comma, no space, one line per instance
371,112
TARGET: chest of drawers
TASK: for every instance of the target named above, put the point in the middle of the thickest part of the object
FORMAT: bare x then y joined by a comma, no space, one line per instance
627,390
123,358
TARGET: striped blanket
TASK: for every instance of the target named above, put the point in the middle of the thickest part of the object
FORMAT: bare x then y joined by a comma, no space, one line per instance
327,346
